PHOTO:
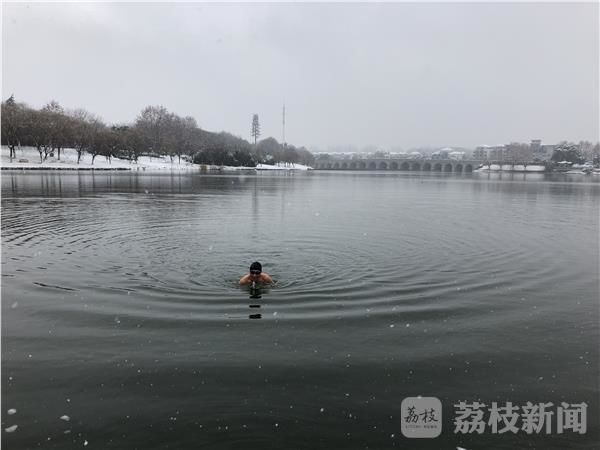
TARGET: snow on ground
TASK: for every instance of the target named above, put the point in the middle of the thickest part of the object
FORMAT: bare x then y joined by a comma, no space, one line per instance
29,158
512,168
282,166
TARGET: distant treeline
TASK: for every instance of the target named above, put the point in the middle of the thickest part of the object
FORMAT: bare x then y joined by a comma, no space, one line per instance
155,132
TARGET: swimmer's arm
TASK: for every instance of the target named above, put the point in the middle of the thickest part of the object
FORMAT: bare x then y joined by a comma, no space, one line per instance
245,279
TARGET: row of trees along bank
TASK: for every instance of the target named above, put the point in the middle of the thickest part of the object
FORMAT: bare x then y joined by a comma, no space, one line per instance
155,132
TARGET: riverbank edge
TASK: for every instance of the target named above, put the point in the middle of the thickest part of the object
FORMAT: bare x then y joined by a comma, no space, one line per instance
25,157
194,169
56,169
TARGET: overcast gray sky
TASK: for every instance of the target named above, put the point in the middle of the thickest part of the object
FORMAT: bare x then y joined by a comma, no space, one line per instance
393,75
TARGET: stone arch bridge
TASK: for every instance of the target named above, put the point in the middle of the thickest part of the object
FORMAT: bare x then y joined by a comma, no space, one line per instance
414,165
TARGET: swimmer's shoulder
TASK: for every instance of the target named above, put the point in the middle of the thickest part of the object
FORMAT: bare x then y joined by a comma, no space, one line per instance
266,278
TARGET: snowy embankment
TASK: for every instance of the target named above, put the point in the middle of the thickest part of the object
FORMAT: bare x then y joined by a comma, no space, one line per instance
29,158
512,168
282,166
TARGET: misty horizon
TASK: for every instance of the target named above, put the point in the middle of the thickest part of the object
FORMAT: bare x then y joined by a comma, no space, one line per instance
415,76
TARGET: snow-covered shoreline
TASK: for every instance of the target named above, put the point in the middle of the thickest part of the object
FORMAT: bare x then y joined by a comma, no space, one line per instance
29,159
282,166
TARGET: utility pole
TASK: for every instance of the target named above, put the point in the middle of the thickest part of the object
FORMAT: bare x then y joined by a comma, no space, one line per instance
283,139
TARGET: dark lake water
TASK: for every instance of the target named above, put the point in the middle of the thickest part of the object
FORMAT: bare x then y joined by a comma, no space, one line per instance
121,309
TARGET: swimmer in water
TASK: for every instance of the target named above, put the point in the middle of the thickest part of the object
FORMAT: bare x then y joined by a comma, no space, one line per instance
256,275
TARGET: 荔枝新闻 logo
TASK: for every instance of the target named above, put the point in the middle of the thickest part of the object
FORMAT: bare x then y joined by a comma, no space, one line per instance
421,417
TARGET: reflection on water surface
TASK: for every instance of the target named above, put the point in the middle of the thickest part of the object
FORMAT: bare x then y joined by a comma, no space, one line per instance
121,307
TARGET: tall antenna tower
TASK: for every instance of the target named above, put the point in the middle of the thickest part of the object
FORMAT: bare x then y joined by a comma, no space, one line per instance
283,137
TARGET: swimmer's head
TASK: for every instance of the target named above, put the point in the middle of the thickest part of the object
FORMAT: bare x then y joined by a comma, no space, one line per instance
255,268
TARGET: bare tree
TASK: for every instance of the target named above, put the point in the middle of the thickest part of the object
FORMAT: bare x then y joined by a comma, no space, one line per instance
305,157
153,124
38,131
59,128
156,131
182,135
596,153
13,115
83,125
129,142
102,141
290,154
269,150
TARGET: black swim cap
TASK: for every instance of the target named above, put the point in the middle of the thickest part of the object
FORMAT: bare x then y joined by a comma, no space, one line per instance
255,266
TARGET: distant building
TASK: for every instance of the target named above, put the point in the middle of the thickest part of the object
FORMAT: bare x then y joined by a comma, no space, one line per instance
442,154
481,153
496,153
539,151
456,155
517,152
525,153
545,152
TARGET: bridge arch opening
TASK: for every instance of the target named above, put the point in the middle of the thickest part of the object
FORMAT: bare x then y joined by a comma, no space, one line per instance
336,166
344,165
416,166
329,165
353,165
372,165
437,167
468,168
362,165
448,168
458,168
394,166
427,167
404,166
383,166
